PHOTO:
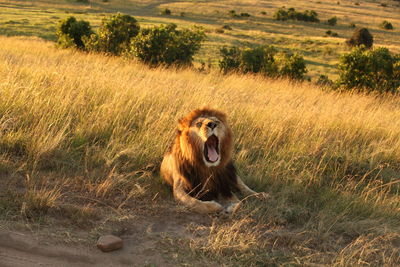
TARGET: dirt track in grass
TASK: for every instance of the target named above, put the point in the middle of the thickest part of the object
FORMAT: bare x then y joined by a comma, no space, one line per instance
145,243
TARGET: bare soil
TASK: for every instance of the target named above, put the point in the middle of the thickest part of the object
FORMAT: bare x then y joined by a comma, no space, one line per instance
146,243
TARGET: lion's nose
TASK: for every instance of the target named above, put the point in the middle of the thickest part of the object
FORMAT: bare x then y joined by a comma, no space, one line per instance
211,125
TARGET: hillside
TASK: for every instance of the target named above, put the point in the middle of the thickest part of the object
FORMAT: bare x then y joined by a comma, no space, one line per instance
82,137
39,18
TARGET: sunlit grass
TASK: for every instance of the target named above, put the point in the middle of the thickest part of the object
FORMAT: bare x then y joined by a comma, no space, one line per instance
95,128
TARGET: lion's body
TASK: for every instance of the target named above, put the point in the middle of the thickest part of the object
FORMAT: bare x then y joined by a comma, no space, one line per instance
198,165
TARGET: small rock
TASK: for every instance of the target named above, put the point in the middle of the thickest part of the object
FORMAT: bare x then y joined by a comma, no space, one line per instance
107,243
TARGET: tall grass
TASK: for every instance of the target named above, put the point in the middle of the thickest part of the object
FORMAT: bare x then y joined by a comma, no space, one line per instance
330,161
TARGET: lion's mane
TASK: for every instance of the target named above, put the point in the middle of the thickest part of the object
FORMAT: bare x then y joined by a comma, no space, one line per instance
201,181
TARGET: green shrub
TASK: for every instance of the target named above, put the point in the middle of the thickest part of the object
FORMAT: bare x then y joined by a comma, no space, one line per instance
166,12
166,45
370,70
281,14
233,14
114,35
70,32
331,33
332,21
291,14
264,60
291,66
324,81
386,25
245,15
361,36
231,59
259,59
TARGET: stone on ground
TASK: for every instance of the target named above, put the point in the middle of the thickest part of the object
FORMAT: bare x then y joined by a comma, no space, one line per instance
108,243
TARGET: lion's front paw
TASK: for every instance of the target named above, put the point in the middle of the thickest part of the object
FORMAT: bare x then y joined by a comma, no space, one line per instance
210,207
232,207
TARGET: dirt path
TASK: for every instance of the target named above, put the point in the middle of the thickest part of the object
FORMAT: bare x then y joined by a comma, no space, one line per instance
144,245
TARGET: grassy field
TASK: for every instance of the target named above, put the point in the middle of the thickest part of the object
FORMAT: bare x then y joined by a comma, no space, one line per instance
82,136
39,18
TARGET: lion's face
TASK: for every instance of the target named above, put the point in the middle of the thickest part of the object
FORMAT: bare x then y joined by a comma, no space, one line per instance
208,133
206,137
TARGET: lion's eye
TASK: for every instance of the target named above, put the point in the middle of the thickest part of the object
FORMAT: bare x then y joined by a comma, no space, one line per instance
198,124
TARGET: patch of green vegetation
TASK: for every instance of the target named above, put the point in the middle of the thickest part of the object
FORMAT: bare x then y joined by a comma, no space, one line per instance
386,25
375,70
264,60
291,14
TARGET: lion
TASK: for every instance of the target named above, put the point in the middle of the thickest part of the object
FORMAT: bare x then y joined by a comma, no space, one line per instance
199,164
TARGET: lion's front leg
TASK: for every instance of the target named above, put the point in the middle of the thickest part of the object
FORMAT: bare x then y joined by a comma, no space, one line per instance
244,189
193,203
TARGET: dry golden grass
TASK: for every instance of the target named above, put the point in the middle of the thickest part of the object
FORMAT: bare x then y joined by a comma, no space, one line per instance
95,128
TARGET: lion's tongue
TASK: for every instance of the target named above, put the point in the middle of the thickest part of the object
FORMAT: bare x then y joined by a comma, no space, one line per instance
212,153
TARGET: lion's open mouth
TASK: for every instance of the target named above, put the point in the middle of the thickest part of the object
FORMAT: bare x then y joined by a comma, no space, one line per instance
211,152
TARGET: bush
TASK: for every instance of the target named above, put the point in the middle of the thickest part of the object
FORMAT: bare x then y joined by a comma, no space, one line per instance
281,14
291,66
263,60
371,70
292,14
114,35
233,14
386,25
331,33
324,81
166,12
259,59
332,21
166,45
361,36
231,59
70,32
245,15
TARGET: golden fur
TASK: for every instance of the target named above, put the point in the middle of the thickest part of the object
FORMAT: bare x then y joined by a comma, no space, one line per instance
199,166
